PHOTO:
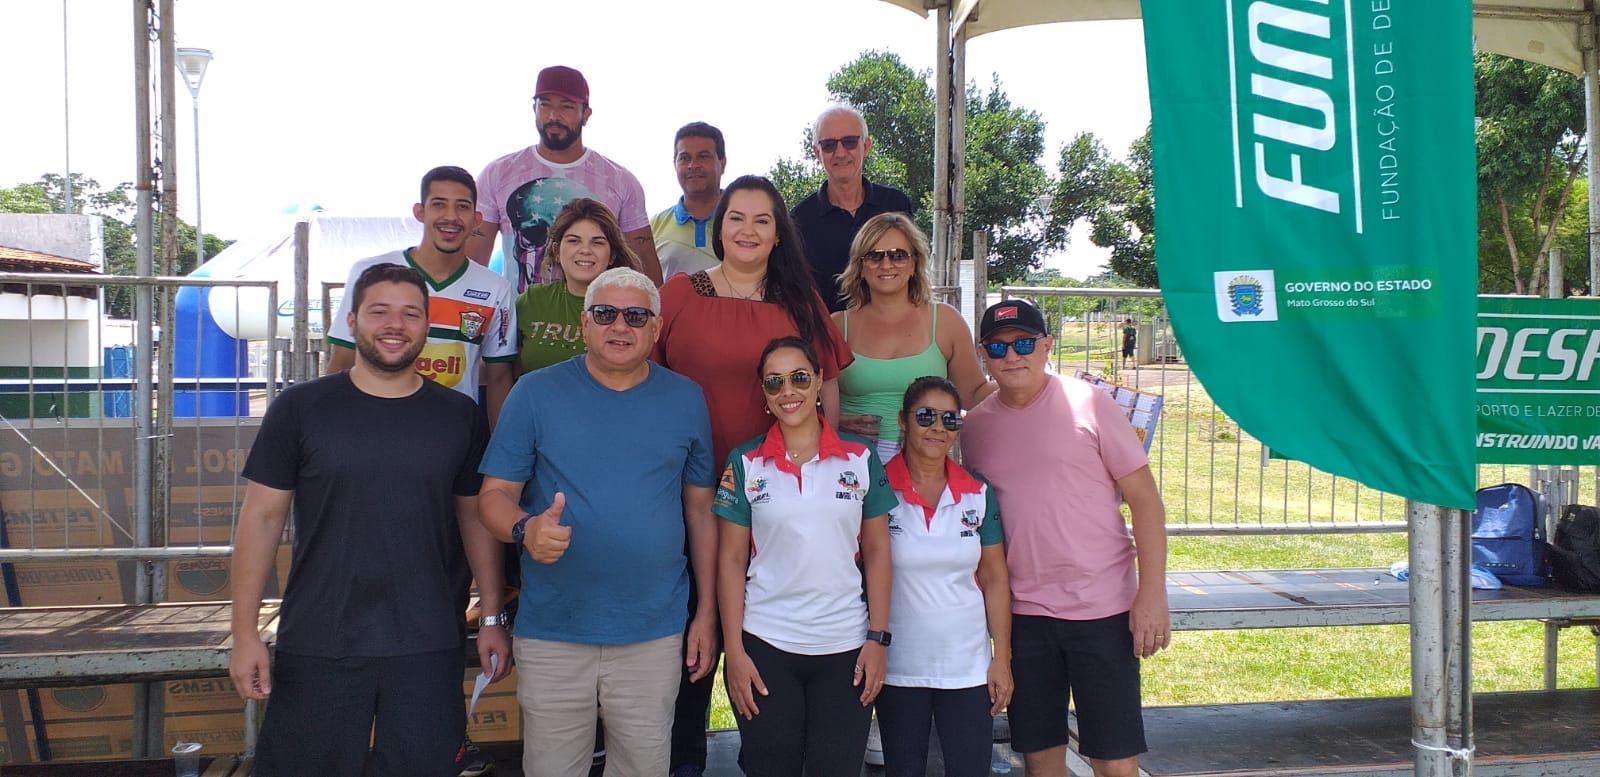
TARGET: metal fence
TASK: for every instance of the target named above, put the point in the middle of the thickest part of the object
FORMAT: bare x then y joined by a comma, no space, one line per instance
1214,477
121,442
73,429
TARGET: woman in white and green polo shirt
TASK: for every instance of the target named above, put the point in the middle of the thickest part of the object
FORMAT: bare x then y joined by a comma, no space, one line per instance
804,649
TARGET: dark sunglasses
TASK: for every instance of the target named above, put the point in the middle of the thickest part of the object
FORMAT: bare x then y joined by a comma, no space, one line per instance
606,315
952,418
800,379
1022,345
894,256
829,144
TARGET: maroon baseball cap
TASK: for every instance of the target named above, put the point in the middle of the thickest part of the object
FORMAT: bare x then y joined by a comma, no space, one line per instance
562,81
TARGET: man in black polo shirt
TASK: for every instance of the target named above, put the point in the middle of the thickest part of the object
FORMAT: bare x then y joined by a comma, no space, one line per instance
828,219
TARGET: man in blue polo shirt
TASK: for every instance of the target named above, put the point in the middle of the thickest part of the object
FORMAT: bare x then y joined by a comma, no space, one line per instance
683,231
828,220
600,470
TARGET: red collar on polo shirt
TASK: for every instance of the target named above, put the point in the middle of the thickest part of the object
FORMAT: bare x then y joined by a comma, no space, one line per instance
957,480
773,447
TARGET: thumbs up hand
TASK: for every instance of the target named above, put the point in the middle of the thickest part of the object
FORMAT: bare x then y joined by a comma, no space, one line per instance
548,540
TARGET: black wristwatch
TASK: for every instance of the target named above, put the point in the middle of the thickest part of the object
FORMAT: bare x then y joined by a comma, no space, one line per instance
520,530
880,637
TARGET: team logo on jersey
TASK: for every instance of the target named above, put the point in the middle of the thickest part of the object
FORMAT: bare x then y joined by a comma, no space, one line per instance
970,519
757,491
472,324
851,485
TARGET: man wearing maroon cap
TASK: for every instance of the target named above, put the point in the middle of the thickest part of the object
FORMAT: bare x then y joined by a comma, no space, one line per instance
1088,600
521,192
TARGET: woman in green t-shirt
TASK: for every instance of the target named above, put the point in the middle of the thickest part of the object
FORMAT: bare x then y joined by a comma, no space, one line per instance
585,240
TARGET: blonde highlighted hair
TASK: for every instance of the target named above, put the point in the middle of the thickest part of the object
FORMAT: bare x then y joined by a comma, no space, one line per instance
853,286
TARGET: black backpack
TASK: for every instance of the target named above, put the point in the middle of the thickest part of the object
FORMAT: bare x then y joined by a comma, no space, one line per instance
1575,554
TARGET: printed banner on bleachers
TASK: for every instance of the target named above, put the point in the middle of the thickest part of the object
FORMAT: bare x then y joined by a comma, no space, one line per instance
1538,381
1315,174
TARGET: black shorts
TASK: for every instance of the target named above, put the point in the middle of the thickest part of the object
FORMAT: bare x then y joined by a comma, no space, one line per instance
322,713
1093,661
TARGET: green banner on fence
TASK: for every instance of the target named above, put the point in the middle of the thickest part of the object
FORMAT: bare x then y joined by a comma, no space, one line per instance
1538,381
1314,171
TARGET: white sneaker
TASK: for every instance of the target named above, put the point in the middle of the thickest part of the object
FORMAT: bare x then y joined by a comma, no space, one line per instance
874,745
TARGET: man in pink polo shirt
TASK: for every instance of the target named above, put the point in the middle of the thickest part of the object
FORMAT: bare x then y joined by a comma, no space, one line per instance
1089,600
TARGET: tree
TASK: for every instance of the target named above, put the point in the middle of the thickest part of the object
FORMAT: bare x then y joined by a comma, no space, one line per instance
1005,183
1116,197
117,211
1531,150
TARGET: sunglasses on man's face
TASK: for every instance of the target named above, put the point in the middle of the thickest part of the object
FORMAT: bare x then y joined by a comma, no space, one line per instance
829,144
952,418
606,315
894,256
1022,345
800,379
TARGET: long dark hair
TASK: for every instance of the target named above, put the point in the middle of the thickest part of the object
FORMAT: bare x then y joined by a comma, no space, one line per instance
788,283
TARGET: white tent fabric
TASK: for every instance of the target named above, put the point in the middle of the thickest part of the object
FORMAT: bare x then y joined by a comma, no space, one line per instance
1543,31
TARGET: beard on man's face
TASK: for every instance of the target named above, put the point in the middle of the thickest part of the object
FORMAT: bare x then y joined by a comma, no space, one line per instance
567,138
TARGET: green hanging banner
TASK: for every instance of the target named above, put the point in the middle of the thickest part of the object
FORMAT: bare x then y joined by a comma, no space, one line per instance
1538,381
1316,232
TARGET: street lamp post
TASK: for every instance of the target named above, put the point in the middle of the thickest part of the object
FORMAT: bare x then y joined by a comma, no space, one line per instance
192,64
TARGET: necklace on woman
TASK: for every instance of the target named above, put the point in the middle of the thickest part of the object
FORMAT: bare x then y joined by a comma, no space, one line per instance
754,289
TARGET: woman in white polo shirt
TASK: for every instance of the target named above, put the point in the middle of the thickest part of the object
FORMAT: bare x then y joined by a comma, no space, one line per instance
951,593
804,648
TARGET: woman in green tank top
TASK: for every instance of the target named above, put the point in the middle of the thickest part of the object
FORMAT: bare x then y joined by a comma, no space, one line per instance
896,330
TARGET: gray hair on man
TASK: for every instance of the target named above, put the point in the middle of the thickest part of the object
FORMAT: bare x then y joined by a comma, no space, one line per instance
624,278
837,108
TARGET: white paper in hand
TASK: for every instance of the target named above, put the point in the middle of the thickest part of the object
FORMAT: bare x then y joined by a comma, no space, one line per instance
482,682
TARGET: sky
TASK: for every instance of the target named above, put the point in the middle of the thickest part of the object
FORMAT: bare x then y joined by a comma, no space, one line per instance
326,102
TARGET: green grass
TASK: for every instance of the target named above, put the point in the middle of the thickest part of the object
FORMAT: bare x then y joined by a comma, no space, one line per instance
1219,667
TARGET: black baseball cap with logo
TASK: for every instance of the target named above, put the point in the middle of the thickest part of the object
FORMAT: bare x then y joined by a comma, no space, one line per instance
1012,314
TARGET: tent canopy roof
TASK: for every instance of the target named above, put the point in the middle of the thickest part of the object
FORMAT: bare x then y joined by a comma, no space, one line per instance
1542,31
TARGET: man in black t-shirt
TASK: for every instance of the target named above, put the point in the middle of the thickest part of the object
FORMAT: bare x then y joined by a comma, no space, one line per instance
381,467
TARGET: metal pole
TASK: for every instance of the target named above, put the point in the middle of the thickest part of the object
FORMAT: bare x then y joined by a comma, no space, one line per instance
300,342
144,296
958,152
1589,42
1427,623
144,313
1557,287
941,144
66,114
199,231
160,503
1456,530
980,277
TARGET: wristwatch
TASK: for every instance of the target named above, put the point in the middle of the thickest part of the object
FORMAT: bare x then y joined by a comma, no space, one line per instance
520,530
880,637
500,619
